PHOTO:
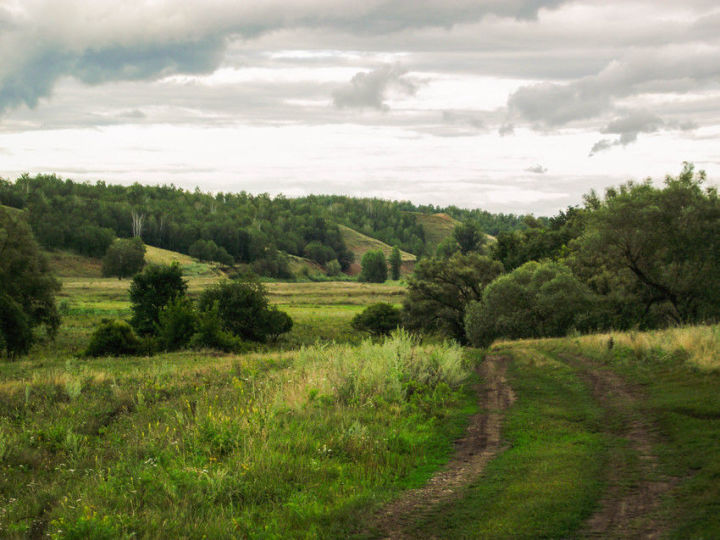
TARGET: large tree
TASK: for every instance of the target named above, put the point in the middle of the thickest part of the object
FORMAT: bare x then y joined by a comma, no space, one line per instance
27,288
660,246
152,290
440,290
374,267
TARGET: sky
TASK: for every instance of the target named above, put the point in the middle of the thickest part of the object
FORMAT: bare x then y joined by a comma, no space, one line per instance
505,105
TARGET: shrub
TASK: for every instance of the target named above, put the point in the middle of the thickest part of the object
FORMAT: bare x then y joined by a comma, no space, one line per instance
333,268
177,324
374,267
151,290
113,337
124,258
378,319
210,333
243,310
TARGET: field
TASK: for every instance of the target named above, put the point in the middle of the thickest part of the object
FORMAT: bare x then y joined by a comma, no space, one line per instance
327,434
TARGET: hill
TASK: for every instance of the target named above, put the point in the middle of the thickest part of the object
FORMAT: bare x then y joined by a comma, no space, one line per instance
359,244
189,265
437,227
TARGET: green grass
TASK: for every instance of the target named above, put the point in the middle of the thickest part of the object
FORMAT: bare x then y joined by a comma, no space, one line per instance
298,444
547,482
684,402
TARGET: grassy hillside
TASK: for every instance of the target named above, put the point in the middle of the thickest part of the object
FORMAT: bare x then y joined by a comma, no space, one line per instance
360,244
437,227
68,264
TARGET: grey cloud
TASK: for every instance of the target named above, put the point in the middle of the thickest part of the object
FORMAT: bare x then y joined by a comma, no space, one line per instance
633,123
369,89
464,118
537,169
552,104
506,129
97,42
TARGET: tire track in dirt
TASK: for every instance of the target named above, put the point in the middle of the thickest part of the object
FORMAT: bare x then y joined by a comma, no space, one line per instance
480,444
627,510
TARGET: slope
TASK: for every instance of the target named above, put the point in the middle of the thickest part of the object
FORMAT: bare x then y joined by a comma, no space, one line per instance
360,244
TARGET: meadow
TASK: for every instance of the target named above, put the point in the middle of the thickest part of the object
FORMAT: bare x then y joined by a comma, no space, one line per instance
303,438
313,435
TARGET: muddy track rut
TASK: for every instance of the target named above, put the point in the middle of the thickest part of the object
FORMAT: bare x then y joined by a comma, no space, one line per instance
625,511
481,443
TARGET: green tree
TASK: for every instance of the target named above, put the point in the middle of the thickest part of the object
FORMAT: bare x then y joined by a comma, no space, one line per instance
469,237
244,310
395,263
124,258
27,288
659,246
440,290
177,324
535,300
374,267
152,290
378,319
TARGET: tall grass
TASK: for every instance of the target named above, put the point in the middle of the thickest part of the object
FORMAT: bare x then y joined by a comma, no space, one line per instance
189,444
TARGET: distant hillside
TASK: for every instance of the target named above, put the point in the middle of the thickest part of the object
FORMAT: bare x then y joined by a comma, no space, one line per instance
68,264
190,266
359,244
437,227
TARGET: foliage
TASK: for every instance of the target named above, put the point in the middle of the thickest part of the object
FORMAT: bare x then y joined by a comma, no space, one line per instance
447,247
27,288
378,319
469,237
374,267
113,338
540,239
440,290
244,311
332,268
211,335
660,248
177,323
207,250
151,290
535,300
395,263
124,258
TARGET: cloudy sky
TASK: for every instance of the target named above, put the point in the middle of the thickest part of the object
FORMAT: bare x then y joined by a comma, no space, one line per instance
506,105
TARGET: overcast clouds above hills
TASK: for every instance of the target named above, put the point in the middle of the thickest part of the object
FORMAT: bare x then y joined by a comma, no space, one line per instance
506,105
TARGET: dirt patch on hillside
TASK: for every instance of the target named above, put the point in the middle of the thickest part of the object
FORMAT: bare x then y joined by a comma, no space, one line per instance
629,508
480,444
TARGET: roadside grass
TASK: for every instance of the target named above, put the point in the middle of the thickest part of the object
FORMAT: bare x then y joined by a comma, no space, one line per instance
286,444
547,481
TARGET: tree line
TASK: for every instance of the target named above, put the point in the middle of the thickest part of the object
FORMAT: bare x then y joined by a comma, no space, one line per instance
641,257
229,228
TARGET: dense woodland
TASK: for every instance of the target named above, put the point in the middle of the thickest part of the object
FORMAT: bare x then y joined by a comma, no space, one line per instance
225,227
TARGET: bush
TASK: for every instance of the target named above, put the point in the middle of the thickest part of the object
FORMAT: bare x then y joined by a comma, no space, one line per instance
395,263
378,319
210,333
124,258
243,310
152,290
534,300
333,268
113,338
374,267
177,324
